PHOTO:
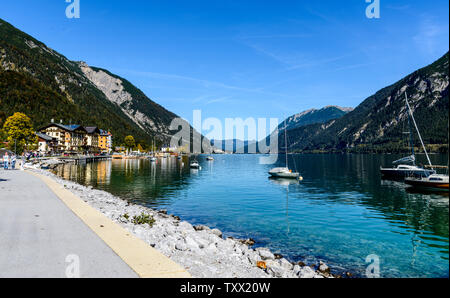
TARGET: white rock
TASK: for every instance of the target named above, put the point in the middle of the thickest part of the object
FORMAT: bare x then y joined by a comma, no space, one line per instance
181,246
217,232
285,264
185,226
191,244
307,272
265,254
323,267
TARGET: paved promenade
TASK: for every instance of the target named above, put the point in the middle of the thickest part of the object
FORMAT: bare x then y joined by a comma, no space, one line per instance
41,237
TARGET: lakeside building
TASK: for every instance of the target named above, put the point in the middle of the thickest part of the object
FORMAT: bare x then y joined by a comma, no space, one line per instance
71,139
105,141
92,141
46,143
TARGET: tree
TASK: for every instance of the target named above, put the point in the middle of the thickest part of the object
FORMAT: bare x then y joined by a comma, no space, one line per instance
19,131
129,142
139,147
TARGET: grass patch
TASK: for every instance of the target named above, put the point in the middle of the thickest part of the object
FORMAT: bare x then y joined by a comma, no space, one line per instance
143,219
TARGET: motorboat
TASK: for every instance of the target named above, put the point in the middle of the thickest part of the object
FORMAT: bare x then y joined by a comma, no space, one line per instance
194,165
433,181
210,158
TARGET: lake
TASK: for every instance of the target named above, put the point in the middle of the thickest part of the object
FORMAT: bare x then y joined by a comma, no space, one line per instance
340,213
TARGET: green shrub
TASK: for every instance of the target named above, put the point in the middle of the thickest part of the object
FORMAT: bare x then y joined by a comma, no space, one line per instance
143,219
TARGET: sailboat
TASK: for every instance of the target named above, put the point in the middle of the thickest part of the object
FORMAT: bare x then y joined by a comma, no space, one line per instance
153,157
433,181
406,166
285,172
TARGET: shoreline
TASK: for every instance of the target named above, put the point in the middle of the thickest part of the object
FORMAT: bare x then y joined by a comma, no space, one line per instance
202,251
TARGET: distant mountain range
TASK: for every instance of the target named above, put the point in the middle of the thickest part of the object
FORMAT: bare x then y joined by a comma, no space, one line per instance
233,146
45,85
313,116
379,122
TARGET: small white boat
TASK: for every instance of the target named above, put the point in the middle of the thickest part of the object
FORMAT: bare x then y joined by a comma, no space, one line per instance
153,159
283,173
194,165
210,158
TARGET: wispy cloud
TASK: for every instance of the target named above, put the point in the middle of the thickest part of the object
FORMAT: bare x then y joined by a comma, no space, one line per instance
219,99
205,84
430,35
273,36
296,60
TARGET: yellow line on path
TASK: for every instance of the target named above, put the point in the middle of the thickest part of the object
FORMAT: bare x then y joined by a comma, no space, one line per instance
142,258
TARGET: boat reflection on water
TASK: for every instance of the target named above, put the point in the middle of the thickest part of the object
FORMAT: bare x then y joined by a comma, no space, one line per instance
427,191
286,183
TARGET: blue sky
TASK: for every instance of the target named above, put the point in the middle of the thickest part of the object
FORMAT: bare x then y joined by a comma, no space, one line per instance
244,58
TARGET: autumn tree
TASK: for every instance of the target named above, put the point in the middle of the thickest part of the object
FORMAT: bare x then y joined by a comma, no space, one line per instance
129,142
19,132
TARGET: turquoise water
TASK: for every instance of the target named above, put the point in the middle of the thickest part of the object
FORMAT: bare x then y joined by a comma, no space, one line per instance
340,213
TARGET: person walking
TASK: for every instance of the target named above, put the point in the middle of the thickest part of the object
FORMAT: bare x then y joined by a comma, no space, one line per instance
5,161
23,162
13,162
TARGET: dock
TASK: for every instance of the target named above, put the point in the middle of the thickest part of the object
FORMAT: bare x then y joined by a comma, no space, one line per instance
84,158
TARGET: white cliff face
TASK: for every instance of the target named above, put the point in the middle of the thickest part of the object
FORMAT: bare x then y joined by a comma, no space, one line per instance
110,86
114,90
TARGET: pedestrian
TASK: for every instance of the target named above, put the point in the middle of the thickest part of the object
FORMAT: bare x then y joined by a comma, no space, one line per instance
23,162
6,160
13,162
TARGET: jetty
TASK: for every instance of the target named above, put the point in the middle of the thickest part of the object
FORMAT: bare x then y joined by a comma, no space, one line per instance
77,159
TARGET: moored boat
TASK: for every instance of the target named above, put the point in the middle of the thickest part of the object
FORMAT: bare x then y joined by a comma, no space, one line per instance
402,171
285,172
406,167
434,182
194,165
118,156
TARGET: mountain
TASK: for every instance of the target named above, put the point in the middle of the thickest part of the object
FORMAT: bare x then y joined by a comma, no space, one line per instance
379,122
233,145
313,116
45,85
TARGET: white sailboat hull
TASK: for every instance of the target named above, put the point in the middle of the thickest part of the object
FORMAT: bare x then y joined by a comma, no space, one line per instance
283,173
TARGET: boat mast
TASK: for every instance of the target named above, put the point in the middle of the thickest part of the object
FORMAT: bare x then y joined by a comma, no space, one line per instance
415,124
411,142
285,144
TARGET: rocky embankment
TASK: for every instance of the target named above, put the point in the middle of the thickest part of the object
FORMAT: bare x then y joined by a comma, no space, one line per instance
201,250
